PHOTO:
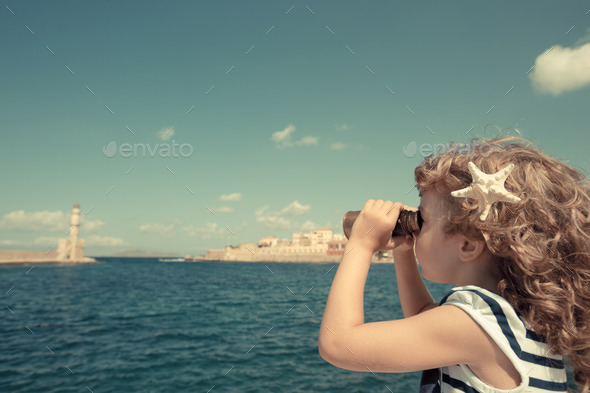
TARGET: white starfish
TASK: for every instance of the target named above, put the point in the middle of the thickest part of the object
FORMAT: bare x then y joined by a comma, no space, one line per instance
491,188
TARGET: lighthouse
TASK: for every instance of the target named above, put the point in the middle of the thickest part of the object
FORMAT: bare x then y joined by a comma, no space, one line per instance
72,249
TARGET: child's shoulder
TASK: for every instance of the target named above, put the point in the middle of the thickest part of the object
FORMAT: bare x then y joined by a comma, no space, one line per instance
490,310
527,352
475,296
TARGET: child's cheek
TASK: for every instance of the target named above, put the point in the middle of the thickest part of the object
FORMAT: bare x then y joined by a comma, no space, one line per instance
422,246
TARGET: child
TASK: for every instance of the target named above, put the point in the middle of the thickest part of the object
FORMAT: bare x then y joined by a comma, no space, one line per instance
510,227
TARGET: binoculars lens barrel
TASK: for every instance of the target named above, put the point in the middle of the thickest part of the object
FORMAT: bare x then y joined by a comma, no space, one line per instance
409,222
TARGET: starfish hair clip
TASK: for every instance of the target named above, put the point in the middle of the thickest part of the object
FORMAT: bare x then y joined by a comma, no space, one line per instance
487,188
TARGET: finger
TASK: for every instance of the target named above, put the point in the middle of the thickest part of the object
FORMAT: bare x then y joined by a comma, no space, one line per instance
388,206
379,204
368,204
394,209
391,211
410,208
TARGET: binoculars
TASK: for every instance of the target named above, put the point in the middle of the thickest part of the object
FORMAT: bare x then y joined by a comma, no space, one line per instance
408,223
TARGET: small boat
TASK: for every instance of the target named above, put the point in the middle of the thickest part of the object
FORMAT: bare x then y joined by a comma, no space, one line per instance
171,260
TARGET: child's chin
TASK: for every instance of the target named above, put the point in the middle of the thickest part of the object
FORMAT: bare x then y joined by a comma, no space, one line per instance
431,277
426,274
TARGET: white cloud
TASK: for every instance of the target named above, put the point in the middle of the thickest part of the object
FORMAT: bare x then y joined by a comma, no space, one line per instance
47,241
295,209
89,225
274,222
9,242
208,231
211,230
95,240
280,219
56,221
283,138
166,133
342,127
236,196
22,221
562,69
224,209
159,229
584,39
261,210
337,146
308,140
308,226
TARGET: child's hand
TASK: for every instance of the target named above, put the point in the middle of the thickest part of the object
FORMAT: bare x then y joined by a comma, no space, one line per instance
373,227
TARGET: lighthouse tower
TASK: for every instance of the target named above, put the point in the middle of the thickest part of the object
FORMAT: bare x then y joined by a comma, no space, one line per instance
72,249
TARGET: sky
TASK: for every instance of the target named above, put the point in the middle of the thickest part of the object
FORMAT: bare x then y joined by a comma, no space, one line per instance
185,126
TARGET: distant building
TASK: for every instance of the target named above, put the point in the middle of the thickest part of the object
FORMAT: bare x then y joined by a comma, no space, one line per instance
69,250
301,239
318,246
270,241
321,236
72,248
336,247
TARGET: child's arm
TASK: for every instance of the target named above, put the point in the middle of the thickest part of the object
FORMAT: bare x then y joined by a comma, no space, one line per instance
413,294
345,300
441,336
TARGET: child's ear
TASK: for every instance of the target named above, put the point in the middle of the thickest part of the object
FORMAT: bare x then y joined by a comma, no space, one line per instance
470,250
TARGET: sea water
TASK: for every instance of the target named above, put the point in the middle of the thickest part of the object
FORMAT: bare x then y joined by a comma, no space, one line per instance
140,325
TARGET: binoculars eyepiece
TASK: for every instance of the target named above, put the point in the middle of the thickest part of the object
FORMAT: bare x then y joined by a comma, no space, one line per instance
409,222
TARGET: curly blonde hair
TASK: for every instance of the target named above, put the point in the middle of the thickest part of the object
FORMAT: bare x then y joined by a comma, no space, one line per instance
542,242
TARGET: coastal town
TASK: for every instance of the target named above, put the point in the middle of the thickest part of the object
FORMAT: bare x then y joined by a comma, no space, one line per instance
318,246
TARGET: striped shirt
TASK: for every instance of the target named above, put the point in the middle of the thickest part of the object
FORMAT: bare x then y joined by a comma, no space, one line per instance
539,370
